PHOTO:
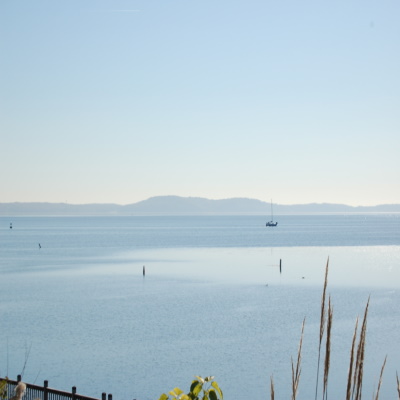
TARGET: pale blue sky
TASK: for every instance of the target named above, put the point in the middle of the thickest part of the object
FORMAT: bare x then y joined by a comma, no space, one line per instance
117,101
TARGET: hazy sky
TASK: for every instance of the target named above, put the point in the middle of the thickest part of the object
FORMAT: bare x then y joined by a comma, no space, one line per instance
117,101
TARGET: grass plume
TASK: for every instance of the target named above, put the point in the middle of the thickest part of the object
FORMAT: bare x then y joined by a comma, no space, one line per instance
350,374
359,369
380,379
327,349
357,354
272,388
322,324
398,385
296,372
19,390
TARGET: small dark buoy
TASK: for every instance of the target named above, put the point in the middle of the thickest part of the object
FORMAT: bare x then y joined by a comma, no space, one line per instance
10,225
280,266
144,270
40,246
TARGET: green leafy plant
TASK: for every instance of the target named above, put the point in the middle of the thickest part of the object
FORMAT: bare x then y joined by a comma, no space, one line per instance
200,389
3,388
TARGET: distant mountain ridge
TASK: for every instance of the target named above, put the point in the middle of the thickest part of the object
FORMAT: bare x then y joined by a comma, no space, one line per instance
176,205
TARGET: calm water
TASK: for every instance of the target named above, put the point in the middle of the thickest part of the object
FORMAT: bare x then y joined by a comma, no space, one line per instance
213,301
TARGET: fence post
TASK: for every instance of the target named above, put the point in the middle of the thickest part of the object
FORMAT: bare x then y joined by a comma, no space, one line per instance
73,392
45,391
19,378
103,396
109,396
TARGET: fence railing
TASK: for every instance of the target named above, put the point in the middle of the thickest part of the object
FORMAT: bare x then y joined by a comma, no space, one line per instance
34,392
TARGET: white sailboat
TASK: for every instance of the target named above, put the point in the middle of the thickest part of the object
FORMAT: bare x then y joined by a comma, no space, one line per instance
271,223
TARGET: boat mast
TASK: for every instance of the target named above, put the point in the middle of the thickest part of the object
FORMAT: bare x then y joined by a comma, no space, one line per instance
272,214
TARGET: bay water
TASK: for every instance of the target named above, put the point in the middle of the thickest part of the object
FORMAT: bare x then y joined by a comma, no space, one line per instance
222,296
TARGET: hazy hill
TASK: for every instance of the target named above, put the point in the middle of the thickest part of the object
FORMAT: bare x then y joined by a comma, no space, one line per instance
175,205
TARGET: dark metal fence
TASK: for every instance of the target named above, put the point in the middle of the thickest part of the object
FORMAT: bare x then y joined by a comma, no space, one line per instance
35,392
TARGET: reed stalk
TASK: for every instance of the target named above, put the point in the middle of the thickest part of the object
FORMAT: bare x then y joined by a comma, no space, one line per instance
398,385
272,388
296,372
322,324
350,374
327,349
380,379
359,369
27,352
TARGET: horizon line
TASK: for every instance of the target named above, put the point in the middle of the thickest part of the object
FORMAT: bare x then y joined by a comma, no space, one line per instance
196,197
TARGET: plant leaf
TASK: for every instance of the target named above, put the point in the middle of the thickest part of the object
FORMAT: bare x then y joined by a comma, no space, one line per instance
216,387
176,392
213,395
200,379
196,389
